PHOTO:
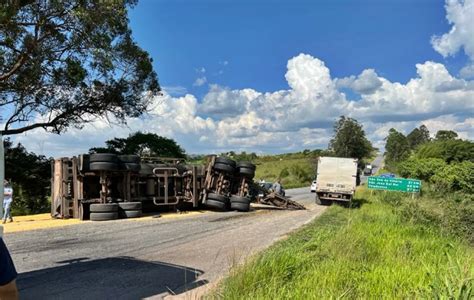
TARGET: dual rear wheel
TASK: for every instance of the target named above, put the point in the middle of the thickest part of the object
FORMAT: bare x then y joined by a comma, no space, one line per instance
113,211
221,202
113,162
229,166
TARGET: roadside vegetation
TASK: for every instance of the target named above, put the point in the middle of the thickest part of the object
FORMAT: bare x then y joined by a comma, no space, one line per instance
299,169
295,170
445,164
388,244
382,247
30,175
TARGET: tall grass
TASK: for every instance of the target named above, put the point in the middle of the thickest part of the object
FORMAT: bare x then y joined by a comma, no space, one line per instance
371,251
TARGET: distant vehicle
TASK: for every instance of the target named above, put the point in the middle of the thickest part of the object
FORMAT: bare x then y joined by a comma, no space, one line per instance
368,170
387,175
337,179
313,186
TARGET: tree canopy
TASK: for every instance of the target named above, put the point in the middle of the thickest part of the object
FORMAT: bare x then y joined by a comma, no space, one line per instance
397,147
143,144
62,63
349,139
443,135
418,136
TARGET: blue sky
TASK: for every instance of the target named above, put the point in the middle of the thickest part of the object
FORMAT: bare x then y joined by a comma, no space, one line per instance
273,76
257,38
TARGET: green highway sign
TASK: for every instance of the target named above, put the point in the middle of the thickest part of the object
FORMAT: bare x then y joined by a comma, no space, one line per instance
394,184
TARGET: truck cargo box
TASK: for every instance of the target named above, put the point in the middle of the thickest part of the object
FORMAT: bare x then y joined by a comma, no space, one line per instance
336,179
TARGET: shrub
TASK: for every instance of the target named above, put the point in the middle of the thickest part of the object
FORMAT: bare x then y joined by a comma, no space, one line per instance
459,218
300,173
422,169
393,198
455,177
284,173
448,150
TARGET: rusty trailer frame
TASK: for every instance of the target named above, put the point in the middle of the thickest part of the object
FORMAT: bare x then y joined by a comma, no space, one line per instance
160,182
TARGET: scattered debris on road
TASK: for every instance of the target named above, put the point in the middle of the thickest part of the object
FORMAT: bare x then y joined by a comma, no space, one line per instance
277,200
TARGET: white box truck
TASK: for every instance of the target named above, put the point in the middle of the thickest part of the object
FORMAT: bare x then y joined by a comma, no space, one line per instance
336,179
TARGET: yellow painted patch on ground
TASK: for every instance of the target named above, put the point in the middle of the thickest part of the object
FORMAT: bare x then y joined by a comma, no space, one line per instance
32,222
42,221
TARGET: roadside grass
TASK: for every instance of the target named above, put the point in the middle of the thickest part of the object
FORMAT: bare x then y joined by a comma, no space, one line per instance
369,251
294,172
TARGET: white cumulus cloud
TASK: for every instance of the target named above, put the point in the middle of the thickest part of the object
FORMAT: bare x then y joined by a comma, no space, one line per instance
291,119
460,14
366,83
200,81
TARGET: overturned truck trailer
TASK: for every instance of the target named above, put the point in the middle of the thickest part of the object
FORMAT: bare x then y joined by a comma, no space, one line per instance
106,186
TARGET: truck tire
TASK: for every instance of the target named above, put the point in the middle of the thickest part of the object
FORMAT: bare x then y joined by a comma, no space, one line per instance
246,164
224,168
84,162
238,199
103,216
217,201
129,214
216,204
247,172
103,157
225,161
129,159
318,201
146,169
130,205
240,206
103,208
239,203
217,197
103,166
133,167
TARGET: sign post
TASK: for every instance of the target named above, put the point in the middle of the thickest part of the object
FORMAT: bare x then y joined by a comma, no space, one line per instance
394,184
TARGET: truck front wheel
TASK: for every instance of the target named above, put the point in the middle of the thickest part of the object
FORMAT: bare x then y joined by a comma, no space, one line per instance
318,201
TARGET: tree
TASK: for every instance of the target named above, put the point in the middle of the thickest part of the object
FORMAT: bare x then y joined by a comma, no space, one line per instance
444,135
418,136
30,175
62,63
397,148
143,144
349,139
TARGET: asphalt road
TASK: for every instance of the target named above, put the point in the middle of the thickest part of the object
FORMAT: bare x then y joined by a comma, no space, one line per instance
154,258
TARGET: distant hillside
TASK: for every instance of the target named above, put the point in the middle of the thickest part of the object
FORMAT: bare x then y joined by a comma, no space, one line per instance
295,169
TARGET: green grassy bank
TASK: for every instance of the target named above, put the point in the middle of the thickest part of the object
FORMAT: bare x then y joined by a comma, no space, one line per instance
294,171
378,249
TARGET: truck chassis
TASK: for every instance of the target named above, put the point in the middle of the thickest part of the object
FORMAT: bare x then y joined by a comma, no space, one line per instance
219,183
